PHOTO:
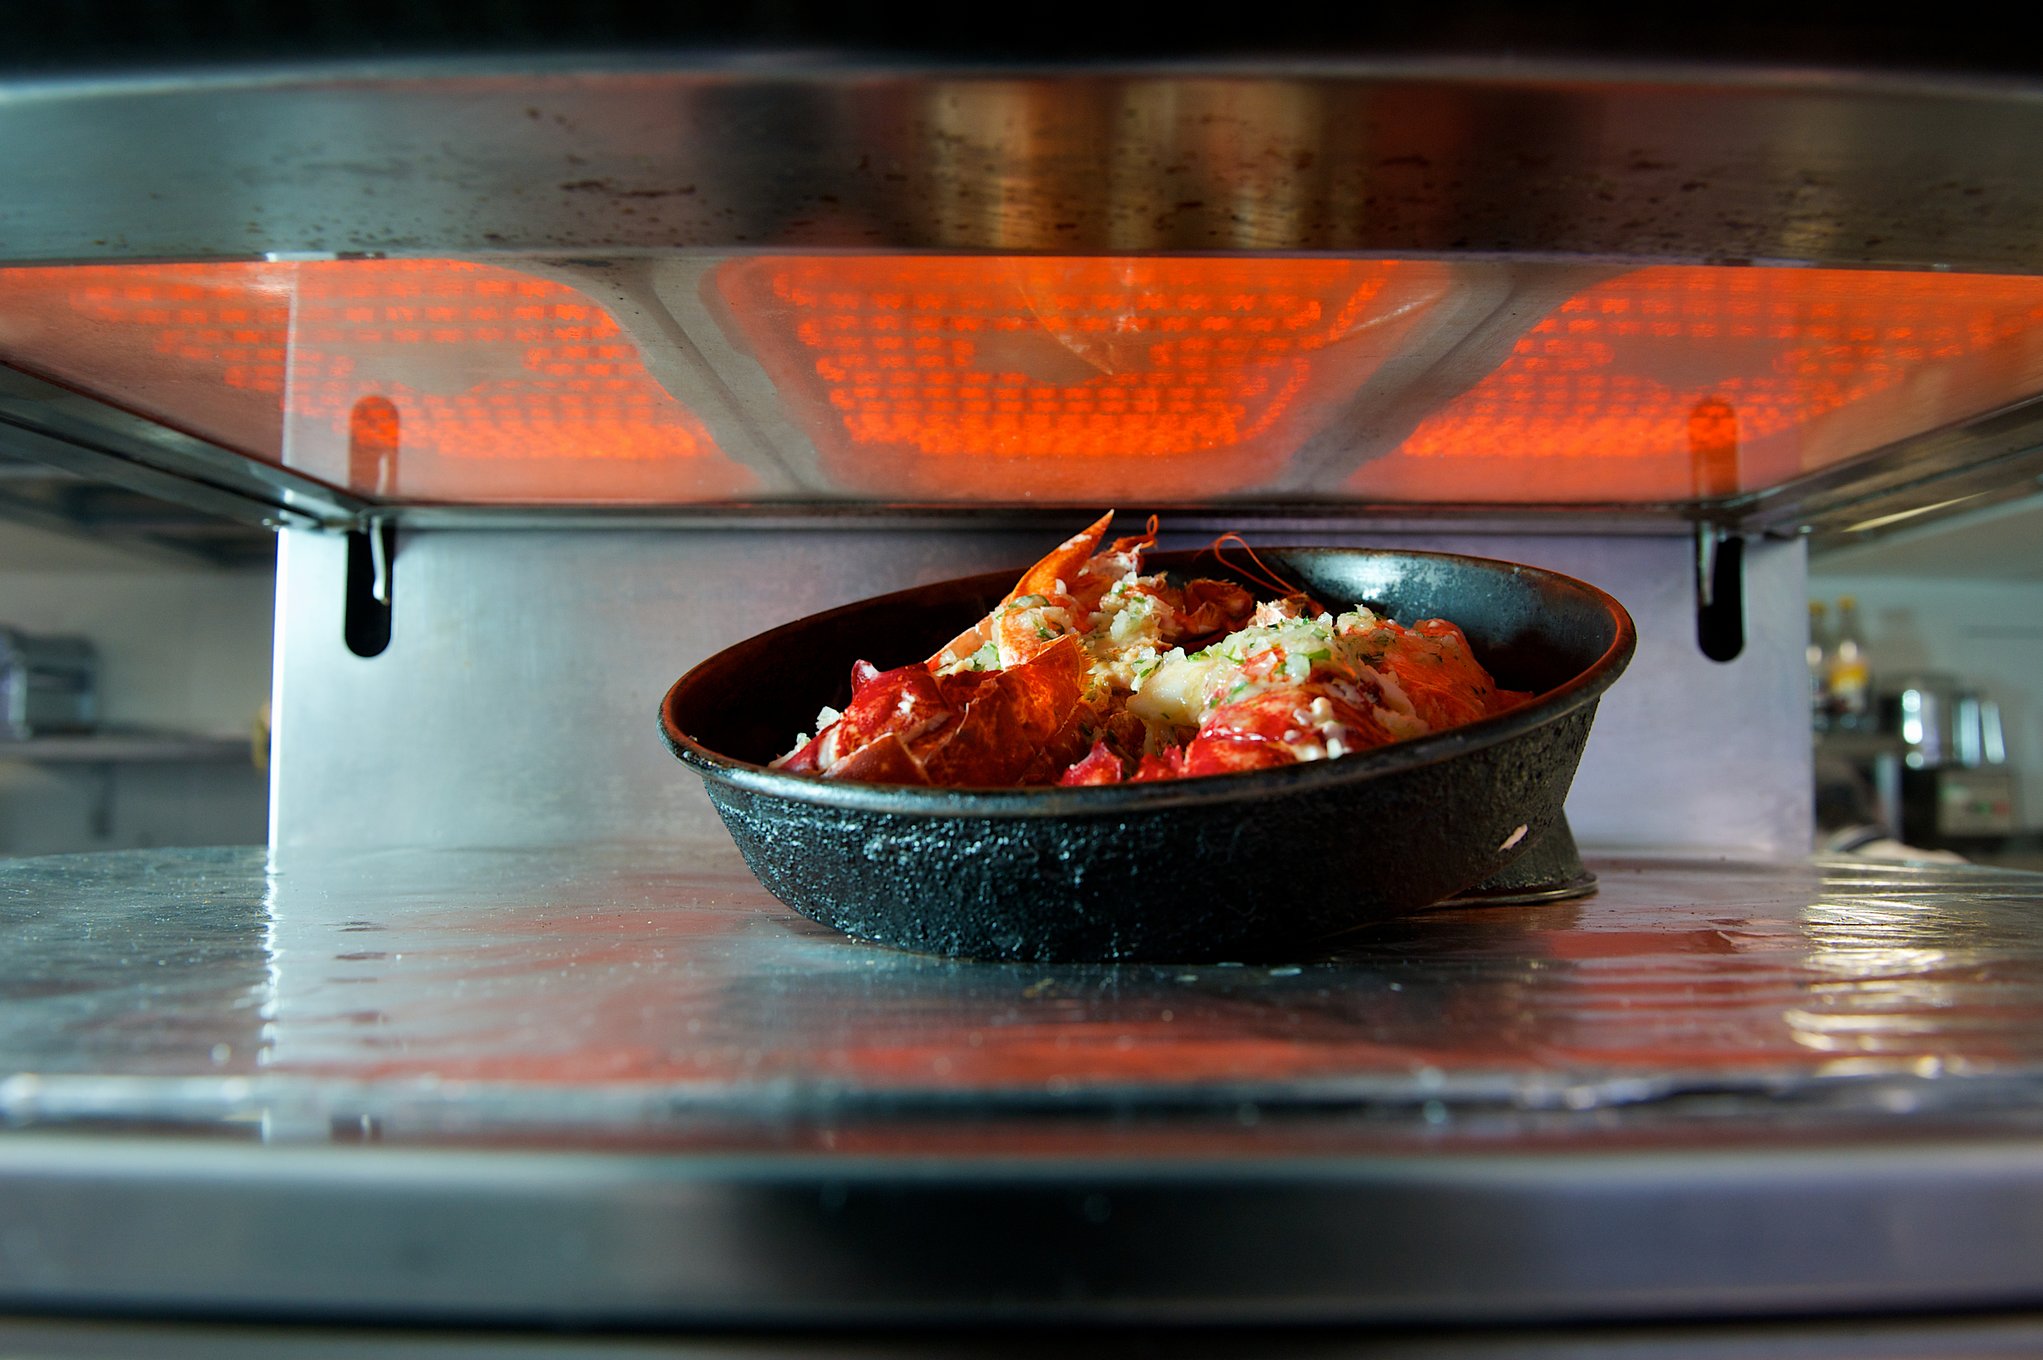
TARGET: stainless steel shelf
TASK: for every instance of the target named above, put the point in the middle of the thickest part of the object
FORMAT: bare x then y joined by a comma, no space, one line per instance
123,748
623,1086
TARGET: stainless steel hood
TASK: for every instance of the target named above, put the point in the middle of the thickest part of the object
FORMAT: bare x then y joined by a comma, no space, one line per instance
615,155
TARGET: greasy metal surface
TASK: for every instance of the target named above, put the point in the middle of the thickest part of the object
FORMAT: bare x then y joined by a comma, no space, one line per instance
631,990
1621,161
619,1085
1170,871
514,704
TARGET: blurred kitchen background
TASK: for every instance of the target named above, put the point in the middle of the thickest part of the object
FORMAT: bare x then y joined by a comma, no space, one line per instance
1927,685
135,669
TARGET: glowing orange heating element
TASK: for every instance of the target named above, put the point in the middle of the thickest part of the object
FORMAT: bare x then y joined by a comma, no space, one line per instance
905,364
1089,380
484,365
1631,388
197,347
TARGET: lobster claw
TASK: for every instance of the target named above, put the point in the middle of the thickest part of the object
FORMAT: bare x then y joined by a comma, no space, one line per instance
993,728
1062,563
1019,725
904,704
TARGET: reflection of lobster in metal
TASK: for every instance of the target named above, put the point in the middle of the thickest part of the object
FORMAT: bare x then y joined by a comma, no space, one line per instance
1080,676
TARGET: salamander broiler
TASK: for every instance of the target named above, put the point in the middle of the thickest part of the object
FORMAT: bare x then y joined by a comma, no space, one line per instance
555,378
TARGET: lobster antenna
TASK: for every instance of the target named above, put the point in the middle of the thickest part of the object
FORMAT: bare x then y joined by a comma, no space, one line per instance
1267,577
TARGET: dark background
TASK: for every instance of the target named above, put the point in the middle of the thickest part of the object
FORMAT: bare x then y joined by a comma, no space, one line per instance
49,37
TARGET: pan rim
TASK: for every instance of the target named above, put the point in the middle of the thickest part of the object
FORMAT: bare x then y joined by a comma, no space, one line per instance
1305,778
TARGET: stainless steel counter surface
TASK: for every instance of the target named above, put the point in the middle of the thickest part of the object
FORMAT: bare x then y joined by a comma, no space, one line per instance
624,988
622,1084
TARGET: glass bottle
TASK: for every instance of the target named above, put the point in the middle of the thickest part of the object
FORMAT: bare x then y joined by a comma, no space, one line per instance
1819,665
1851,677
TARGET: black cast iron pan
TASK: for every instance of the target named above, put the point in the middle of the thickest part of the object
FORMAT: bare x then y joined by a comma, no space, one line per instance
1264,865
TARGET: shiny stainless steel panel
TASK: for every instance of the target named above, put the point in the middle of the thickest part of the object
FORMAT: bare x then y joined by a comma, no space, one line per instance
1525,157
515,704
624,1086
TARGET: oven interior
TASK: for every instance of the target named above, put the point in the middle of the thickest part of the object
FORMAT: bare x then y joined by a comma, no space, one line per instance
555,378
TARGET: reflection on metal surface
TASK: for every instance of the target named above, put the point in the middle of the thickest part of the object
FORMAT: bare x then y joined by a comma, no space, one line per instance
510,387
455,993
1900,983
373,426
1599,1108
49,423
1713,447
198,347
1016,164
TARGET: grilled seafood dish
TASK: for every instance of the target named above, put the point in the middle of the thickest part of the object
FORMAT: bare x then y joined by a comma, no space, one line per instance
1090,672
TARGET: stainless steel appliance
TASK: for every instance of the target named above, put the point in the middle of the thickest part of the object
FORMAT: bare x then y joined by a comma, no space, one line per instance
47,684
1955,784
556,377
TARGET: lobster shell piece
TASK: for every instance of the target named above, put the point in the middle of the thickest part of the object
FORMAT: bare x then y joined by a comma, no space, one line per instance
1265,864
908,726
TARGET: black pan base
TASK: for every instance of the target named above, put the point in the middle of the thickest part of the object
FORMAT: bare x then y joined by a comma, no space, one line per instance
1210,882
1265,866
